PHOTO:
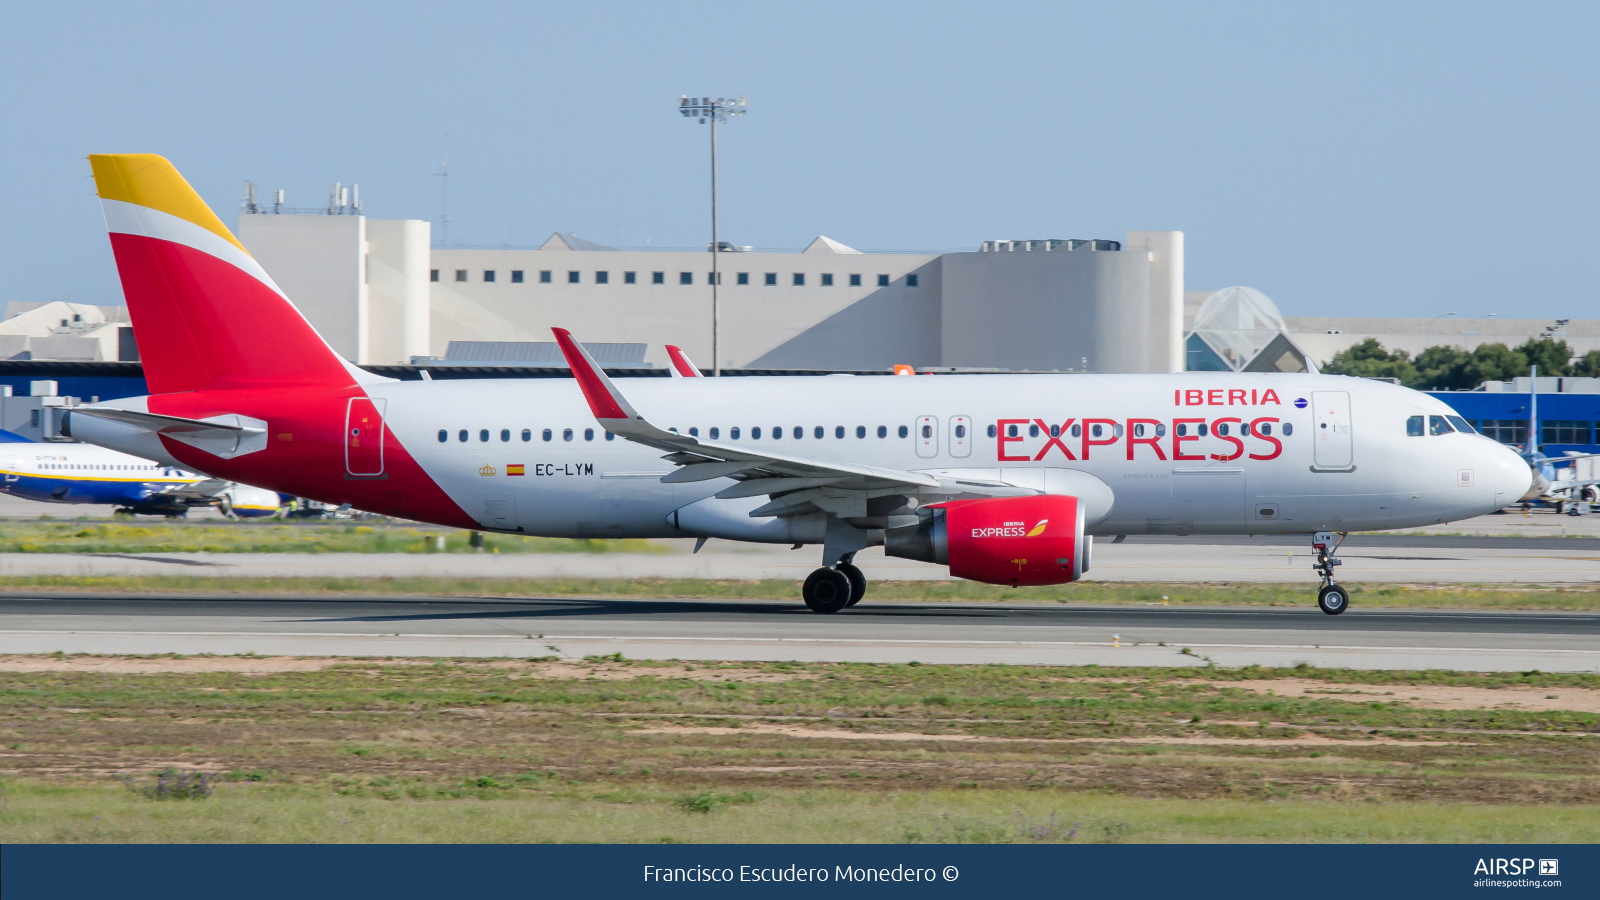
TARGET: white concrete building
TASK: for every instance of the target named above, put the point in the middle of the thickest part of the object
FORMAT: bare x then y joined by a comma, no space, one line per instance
382,297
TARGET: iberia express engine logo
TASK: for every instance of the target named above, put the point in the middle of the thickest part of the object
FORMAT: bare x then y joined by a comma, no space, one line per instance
1011,529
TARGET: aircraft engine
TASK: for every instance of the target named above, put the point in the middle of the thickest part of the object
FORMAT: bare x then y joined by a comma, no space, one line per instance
1006,540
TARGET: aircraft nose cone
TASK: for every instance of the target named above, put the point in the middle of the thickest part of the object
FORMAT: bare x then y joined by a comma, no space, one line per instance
1513,477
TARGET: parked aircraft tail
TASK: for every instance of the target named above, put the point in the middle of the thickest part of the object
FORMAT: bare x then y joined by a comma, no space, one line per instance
205,314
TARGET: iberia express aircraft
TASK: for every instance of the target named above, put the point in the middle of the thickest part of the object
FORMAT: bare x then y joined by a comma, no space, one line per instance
1003,478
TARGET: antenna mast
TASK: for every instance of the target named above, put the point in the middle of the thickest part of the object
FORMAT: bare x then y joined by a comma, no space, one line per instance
444,196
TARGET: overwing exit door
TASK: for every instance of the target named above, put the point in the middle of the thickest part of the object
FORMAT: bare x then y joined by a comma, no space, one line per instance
1332,440
363,436
927,436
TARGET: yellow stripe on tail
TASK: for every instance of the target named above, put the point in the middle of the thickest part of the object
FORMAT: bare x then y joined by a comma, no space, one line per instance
146,179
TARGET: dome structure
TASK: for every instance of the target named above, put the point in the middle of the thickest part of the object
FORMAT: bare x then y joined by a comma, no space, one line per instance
1239,329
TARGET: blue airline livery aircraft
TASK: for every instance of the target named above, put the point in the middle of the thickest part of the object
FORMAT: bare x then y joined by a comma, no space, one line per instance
63,472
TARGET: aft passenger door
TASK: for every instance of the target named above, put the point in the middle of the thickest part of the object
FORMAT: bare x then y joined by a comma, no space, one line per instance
1332,442
363,436
927,437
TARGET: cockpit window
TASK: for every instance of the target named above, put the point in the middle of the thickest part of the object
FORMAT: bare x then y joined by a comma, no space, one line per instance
1414,426
1461,425
1437,425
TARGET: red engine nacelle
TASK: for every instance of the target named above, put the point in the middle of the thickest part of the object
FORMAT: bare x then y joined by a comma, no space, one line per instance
1006,540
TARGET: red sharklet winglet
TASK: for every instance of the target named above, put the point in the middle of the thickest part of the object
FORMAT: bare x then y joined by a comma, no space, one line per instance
605,401
681,366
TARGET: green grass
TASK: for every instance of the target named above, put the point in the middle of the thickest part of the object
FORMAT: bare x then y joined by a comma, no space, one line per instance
37,812
1364,596
621,750
280,537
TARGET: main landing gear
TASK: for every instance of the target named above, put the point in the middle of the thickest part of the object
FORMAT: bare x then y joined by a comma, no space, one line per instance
1332,599
831,590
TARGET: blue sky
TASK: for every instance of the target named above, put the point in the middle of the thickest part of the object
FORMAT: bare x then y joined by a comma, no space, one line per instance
1347,159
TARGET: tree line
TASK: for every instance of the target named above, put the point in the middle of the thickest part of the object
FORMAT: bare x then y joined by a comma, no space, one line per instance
1455,369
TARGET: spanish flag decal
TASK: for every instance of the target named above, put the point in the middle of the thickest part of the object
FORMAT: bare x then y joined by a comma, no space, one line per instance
1039,528
514,469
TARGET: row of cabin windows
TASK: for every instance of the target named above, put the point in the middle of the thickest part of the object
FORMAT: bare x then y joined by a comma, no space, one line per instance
485,435
546,276
820,432
101,468
1139,430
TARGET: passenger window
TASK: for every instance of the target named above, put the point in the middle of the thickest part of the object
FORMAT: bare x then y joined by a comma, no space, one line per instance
734,432
714,432
443,435
1161,430
1011,431
1244,428
588,434
1201,430
883,431
1288,429
961,431
799,432
1266,429
527,435
817,432
1116,431
1033,431
483,435
1138,431
1182,429
777,433
545,434
610,436
566,434
861,431
1414,426
1461,425
1222,429
838,431
1055,431
755,433
927,431
694,432
505,434
992,431
1437,425
1095,430
904,431
1077,431
462,435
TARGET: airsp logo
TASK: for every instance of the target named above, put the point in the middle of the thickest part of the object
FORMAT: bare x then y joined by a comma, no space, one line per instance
1514,867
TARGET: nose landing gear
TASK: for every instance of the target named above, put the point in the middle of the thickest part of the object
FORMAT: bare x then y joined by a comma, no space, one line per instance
1332,599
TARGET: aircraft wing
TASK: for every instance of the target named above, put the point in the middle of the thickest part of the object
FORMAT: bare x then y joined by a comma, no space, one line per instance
208,489
797,484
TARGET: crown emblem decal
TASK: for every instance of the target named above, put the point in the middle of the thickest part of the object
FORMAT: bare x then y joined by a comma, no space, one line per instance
487,470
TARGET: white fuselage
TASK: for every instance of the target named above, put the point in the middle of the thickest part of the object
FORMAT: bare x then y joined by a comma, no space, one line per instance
1338,456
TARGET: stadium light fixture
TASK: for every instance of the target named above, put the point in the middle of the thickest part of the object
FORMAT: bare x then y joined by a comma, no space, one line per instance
715,112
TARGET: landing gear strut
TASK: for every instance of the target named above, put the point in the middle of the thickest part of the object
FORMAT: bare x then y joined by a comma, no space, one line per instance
1332,599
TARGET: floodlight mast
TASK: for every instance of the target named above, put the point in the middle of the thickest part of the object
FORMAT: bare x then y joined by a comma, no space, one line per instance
714,111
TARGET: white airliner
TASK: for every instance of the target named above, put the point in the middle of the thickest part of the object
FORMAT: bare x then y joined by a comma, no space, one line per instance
1003,478
70,472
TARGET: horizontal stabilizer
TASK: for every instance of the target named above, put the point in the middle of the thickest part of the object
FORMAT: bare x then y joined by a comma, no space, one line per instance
225,436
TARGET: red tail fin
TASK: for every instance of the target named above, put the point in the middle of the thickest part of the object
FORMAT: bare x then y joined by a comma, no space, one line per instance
205,314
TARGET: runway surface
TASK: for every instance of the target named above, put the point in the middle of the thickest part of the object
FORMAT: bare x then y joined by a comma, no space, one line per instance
1425,559
747,630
